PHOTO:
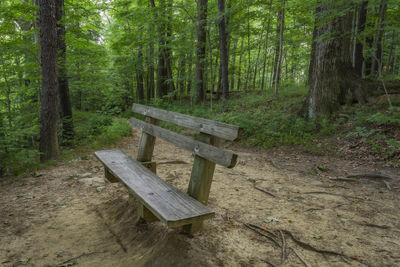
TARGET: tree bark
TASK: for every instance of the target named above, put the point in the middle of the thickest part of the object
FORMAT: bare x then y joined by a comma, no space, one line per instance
377,54
332,73
223,51
239,82
362,18
200,49
65,100
139,72
48,146
233,65
279,46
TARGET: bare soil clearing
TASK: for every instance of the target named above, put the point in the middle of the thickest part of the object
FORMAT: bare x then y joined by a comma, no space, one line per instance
65,218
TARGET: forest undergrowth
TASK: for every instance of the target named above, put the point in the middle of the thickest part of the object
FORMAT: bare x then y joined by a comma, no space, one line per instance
368,132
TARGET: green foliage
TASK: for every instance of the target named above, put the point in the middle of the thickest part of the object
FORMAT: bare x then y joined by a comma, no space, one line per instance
98,128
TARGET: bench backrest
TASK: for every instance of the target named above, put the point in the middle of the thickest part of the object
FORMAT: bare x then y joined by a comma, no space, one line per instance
205,147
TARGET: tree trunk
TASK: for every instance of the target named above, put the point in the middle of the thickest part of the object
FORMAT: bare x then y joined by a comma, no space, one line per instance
150,64
168,52
162,72
332,73
246,86
266,50
65,101
233,65
377,54
139,72
362,18
278,48
239,82
200,49
223,51
49,109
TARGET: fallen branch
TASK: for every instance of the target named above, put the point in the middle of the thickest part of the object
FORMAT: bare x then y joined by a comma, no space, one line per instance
387,185
283,256
375,225
172,162
250,226
265,191
269,263
300,258
309,247
372,176
328,193
77,257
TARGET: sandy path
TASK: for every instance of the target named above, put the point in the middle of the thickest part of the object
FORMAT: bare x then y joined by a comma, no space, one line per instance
48,220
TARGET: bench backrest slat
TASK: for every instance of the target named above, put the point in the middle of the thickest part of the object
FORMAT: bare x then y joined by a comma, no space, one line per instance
201,149
215,128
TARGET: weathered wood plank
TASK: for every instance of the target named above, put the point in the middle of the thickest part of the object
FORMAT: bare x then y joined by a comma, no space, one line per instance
146,144
215,128
201,149
201,179
167,203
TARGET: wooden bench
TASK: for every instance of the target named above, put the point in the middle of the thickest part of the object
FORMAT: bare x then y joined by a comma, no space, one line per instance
158,199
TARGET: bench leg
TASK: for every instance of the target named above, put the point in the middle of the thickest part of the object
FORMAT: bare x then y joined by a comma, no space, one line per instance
200,180
109,176
146,214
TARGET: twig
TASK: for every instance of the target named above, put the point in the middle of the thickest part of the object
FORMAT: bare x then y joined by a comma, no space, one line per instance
265,191
172,162
283,247
369,176
308,246
270,264
375,225
387,185
343,179
328,193
300,258
274,164
263,229
250,226
312,209
77,257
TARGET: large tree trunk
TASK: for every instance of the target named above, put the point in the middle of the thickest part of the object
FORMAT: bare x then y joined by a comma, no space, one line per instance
200,49
223,50
49,110
65,100
332,73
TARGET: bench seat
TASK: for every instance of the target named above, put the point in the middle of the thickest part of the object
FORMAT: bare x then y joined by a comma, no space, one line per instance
167,203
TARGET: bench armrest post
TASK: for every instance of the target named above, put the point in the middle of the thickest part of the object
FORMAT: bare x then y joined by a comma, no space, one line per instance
146,145
200,179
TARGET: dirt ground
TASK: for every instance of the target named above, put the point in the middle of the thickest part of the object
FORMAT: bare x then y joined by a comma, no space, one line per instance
67,215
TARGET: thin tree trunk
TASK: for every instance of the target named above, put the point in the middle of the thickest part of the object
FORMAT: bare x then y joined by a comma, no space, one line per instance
362,18
65,101
49,109
266,49
139,72
239,82
377,54
223,51
233,65
278,56
248,47
201,49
